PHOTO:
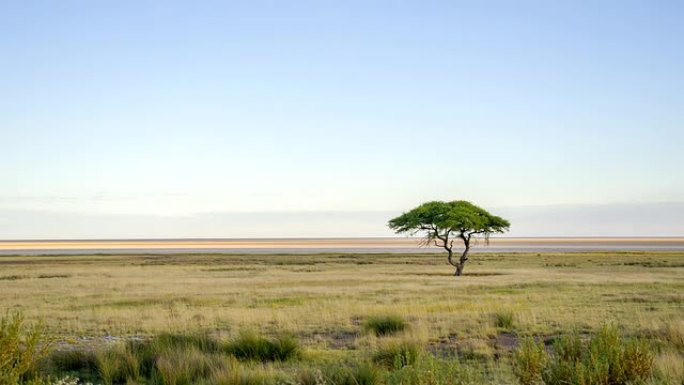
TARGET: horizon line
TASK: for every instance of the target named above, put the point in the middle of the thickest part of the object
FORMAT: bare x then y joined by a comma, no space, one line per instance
295,238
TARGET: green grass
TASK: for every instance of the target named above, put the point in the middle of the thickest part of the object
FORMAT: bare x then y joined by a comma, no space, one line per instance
385,325
252,346
362,374
504,320
397,354
606,358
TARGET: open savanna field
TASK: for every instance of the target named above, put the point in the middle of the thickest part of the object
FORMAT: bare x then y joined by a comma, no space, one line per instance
331,308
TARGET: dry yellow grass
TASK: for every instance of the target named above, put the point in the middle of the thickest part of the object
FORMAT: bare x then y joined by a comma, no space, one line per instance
322,298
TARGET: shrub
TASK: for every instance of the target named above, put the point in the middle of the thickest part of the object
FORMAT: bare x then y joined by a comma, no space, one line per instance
397,354
607,358
21,347
251,346
528,362
637,359
384,325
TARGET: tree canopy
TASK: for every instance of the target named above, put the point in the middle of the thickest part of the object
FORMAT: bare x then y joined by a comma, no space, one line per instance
443,222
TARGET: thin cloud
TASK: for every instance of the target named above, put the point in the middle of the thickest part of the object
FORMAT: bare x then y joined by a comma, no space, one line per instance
645,219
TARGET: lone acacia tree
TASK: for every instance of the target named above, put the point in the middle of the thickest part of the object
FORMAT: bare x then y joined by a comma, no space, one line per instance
443,222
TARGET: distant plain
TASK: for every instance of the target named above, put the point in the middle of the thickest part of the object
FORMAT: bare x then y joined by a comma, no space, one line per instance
318,245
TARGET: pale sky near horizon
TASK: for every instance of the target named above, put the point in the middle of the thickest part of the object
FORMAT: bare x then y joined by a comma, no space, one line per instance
174,109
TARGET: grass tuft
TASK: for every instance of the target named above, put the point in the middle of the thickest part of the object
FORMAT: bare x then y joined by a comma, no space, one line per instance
397,354
384,325
607,358
183,367
504,320
529,361
363,374
200,341
254,347
73,361
110,367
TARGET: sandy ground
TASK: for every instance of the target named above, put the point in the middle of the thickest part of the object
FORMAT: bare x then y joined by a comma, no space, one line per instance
326,244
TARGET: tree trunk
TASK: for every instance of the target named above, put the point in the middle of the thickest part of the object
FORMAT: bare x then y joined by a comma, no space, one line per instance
450,257
462,261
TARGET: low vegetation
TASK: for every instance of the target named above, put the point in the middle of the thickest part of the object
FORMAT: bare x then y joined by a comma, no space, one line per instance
343,319
363,374
22,346
397,354
251,346
605,358
504,320
385,325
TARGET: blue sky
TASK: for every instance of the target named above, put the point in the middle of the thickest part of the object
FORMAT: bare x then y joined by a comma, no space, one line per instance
194,109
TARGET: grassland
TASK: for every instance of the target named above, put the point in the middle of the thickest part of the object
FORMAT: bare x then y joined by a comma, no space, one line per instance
324,302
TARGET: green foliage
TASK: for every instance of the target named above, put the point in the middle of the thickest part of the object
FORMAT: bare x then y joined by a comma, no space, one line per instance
21,347
607,358
529,361
397,354
443,221
254,347
460,216
384,325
